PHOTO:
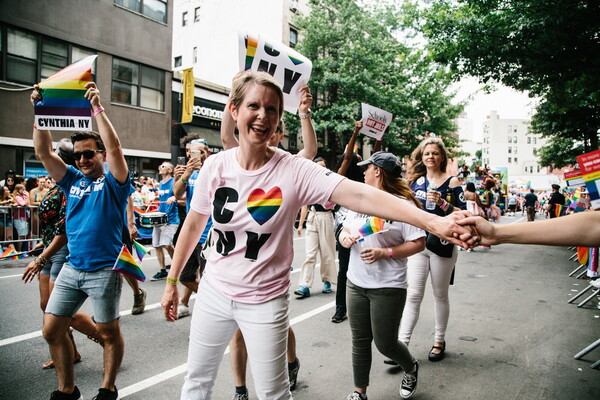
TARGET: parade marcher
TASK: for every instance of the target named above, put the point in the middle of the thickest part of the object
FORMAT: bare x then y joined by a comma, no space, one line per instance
253,193
556,202
377,280
55,251
238,353
320,241
187,179
531,203
94,224
346,166
162,236
432,184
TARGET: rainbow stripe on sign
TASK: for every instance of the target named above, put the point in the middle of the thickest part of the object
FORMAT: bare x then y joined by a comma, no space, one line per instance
63,103
371,226
127,266
251,45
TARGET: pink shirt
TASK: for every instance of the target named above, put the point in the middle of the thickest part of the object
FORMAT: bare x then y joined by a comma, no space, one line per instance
253,218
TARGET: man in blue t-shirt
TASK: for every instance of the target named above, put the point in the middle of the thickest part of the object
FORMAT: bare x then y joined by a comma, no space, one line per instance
96,202
186,176
162,236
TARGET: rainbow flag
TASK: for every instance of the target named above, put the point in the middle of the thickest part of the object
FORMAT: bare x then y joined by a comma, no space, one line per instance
140,250
63,105
558,210
127,266
371,226
251,45
582,255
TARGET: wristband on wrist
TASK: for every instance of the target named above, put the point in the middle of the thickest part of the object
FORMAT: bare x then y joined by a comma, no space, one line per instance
184,181
97,111
390,253
444,205
172,281
304,116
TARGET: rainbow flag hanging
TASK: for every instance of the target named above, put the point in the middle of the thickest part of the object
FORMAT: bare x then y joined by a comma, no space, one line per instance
558,210
127,266
582,255
371,226
63,105
140,250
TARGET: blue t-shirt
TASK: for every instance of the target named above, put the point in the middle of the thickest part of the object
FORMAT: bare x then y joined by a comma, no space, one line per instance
95,212
189,193
165,190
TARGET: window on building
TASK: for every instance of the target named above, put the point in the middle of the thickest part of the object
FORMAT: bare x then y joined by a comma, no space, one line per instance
184,18
534,140
510,139
528,140
509,150
534,151
137,85
509,160
197,14
155,9
293,37
514,139
509,128
515,149
516,160
177,61
538,168
30,58
195,55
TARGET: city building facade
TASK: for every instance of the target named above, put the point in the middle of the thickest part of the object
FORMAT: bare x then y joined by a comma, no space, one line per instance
132,40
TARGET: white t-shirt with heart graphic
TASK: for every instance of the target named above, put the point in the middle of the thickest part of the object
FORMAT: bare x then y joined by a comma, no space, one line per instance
253,216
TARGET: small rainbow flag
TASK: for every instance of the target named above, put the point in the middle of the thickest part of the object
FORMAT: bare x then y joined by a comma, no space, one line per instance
582,255
140,250
63,105
371,226
558,210
127,266
251,45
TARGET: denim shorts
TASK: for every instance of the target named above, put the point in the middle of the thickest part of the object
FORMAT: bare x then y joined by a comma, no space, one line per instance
56,263
72,287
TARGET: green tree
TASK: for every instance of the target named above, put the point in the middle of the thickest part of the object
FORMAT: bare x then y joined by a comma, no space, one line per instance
357,59
550,48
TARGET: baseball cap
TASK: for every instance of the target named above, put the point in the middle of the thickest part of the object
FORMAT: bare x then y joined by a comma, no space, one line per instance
555,186
386,161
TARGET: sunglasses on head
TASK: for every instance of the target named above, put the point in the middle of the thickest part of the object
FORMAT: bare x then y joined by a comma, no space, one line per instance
88,154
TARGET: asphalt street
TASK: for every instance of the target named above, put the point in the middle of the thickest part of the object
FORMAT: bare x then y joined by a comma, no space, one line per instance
512,335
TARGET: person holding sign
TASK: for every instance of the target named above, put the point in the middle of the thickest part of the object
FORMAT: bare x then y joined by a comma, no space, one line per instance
253,192
376,285
431,184
95,218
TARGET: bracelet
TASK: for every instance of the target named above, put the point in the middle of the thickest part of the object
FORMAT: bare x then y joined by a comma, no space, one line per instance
390,253
444,205
172,281
305,116
97,111
184,181
41,260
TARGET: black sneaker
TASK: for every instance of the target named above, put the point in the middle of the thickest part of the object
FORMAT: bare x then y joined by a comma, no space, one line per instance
409,382
139,302
105,394
293,373
338,317
76,395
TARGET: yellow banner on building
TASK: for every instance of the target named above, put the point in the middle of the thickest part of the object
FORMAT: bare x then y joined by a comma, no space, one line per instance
188,96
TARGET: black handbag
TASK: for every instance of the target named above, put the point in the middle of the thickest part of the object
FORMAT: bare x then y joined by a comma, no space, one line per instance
438,246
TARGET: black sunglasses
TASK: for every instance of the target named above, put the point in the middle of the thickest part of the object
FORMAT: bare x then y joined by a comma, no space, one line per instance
88,154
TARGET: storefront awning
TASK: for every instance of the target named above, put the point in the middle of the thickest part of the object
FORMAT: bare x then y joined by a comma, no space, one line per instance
212,136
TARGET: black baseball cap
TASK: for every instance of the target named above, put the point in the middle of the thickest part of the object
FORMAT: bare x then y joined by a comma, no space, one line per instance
386,161
555,186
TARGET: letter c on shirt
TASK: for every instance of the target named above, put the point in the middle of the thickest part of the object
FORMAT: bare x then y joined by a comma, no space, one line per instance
223,196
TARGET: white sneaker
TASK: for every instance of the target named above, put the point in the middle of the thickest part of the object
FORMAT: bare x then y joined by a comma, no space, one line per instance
183,311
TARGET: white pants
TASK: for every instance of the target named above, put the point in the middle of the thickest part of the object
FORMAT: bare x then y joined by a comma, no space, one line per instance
419,267
320,239
265,328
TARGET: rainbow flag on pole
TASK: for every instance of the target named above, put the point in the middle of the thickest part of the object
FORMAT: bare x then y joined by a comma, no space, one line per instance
63,105
11,253
140,250
127,265
371,226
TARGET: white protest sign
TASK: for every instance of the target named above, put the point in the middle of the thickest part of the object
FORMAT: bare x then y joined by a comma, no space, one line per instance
375,121
291,69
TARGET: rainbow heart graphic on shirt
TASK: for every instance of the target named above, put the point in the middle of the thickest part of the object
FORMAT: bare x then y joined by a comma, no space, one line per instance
262,206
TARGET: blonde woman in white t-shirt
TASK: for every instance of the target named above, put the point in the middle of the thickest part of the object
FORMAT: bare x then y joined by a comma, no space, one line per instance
377,283
253,193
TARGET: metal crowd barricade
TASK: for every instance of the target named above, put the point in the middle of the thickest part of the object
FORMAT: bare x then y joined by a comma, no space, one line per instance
8,231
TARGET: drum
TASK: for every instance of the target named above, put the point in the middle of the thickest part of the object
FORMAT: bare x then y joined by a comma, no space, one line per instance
150,220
